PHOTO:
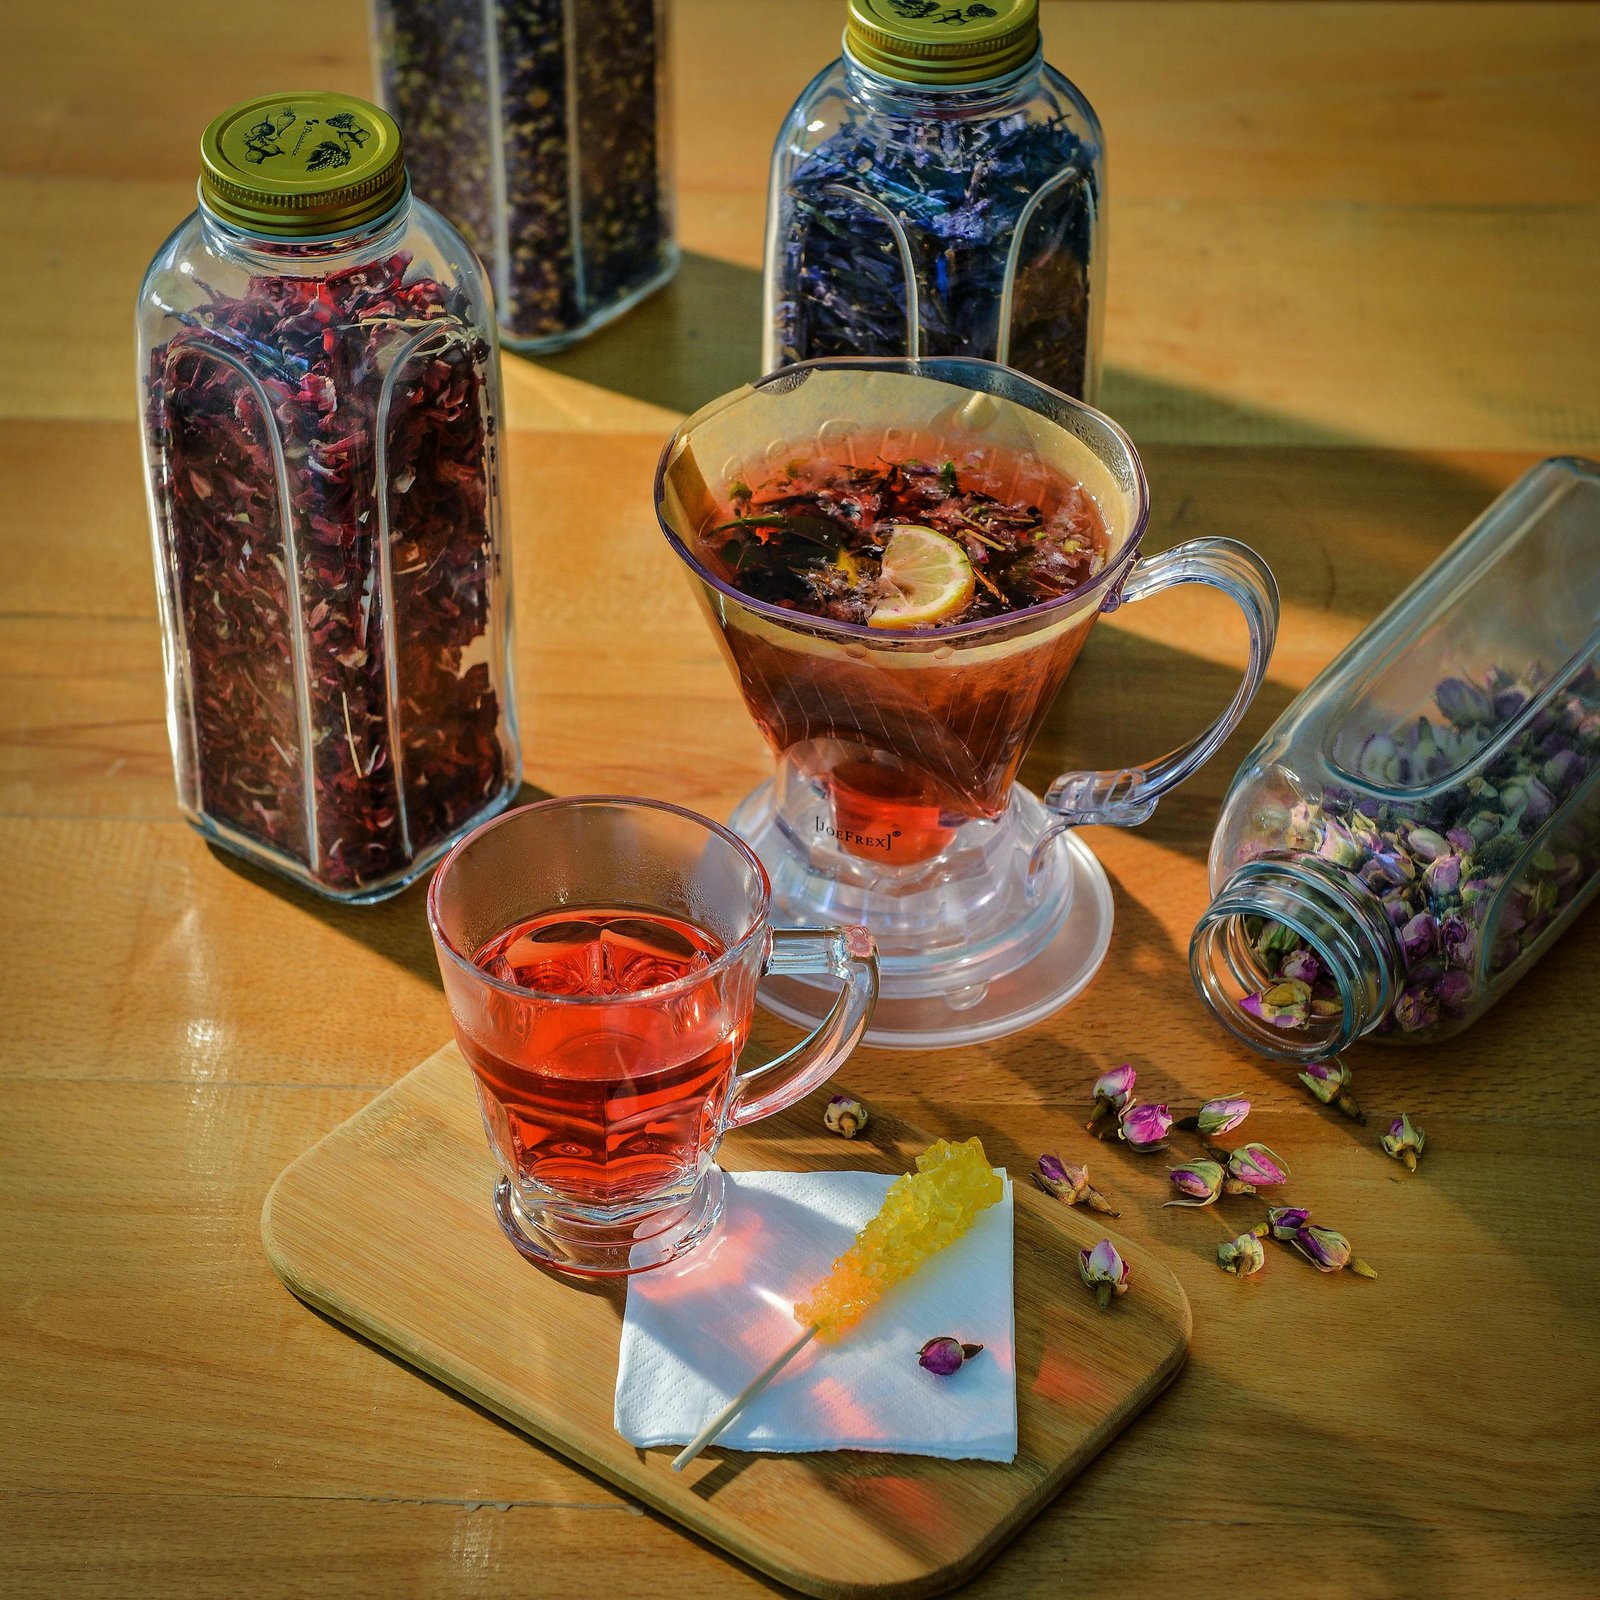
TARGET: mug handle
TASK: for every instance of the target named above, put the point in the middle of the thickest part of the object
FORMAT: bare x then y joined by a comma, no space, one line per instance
1126,796
846,953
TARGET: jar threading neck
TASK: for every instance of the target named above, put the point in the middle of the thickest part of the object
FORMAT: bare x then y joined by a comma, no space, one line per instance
1332,914
875,89
286,256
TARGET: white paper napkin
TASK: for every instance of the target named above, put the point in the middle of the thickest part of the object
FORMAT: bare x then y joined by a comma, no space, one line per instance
696,1332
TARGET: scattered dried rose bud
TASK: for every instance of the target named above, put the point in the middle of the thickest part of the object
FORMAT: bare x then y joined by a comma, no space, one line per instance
1104,1270
1070,1184
1145,1128
1330,1082
1404,1141
1198,1183
944,1355
1243,1257
844,1116
1218,1116
1060,1178
1113,1095
1284,1222
1258,1166
1328,1251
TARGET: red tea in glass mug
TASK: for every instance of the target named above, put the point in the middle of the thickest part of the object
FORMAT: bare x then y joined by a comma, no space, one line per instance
600,957
612,1107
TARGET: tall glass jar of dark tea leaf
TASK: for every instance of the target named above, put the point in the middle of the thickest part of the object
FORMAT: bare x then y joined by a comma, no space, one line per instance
938,191
539,128
320,393
1424,821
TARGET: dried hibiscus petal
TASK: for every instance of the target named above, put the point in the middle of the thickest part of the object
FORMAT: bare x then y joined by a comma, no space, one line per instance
323,461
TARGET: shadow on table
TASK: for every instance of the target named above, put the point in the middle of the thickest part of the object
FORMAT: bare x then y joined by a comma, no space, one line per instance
696,339
396,929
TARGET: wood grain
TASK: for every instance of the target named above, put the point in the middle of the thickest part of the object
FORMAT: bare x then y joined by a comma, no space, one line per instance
386,1225
1351,271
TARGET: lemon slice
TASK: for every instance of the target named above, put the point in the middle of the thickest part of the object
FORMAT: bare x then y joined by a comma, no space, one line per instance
926,578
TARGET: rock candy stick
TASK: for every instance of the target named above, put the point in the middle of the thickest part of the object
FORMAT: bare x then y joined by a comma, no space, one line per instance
923,1212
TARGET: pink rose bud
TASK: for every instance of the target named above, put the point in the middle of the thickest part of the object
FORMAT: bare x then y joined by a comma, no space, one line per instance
1286,1221
1070,1184
844,1116
1104,1270
1113,1095
1330,1082
1404,1141
1258,1166
1115,1085
1198,1182
1243,1257
1287,1004
1145,1128
1301,965
1328,1251
1218,1116
1061,1178
944,1356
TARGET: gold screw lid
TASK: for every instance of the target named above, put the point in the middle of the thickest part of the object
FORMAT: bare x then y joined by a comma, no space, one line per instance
942,41
302,165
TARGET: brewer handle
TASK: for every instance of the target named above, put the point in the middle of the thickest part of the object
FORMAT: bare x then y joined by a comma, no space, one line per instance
846,953
1124,797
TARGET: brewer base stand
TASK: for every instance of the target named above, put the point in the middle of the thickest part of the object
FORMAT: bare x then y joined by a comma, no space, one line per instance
965,952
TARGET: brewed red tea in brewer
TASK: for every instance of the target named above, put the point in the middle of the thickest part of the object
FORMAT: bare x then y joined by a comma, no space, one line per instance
905,546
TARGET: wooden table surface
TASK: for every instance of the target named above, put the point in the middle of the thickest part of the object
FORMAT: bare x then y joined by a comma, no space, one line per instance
1352,295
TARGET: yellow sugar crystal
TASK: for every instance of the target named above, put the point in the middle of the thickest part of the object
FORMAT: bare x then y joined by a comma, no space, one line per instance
923,1212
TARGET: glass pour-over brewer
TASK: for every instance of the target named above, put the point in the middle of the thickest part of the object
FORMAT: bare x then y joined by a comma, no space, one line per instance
895,802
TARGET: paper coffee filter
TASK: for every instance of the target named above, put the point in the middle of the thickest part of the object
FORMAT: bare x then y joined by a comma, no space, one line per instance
856,414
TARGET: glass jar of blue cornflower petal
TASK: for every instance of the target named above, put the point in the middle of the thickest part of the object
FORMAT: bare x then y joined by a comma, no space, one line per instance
938,191
1419,827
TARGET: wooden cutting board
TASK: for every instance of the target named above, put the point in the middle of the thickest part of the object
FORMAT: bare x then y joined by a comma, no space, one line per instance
386,1225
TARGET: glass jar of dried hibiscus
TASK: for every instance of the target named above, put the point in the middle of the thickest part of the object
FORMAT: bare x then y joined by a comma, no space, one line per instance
539,128
1424,821
937,191
320,393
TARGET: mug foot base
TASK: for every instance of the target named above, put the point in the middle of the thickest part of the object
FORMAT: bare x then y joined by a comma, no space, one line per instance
610,1250
965,951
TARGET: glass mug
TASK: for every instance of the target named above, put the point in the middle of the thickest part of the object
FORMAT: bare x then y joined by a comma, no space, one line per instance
600,956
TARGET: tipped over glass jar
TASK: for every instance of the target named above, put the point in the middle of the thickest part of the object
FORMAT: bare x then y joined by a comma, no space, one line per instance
1420,826
320,393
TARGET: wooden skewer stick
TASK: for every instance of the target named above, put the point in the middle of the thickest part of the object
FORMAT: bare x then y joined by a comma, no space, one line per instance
726,1415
